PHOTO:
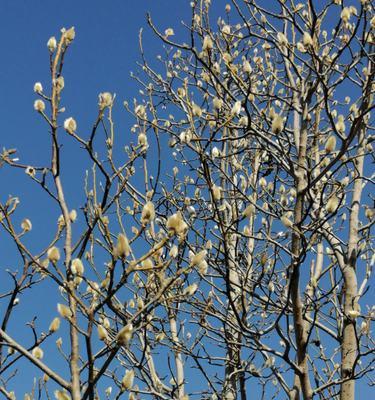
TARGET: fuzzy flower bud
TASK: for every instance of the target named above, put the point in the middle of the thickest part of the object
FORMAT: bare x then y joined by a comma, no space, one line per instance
64,310
54,325
38,353
53,254
26,225
127,380
77,267
38,88
148,213
52,44
39,105
70,125
125,334
105,100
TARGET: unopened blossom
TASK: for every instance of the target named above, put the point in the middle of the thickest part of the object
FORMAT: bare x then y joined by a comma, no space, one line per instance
70,125
53,254
105,100
26,225
52,44
124,335
39,105
38,88
169,32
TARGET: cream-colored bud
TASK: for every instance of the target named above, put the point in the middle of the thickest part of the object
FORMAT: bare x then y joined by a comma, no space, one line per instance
330,144
262,182
105,100
196,110
215,152
142,140
226,29
127,380
77,267
70,125
38,353
249,211
73,215
282,39
216,192
53,254
148,213
69,35
60,83
52,44
124,335
198,258
243,121
123,247
38,88
236,109
54,325
345,14
169,32
64,310
190,290
207,43
340,124
176,225
217,103
26,225
147,264
173,251
286,221
246,67
332,204
61,395
277,124
102,333
307,39
39,105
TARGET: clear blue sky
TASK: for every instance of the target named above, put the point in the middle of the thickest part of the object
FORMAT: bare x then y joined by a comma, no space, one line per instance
101,58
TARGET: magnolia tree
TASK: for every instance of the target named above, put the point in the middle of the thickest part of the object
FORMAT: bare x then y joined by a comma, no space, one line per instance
226,253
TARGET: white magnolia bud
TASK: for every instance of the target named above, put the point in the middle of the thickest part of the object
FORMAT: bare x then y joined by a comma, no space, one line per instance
330,144
190,290
39,105
122,248
64,310
54,325
53,254
105,100
169,32
148,213
77,267
207,43
277,124
37,352
26,225
70,125
124,335
52,44
127,380
102,333
38,88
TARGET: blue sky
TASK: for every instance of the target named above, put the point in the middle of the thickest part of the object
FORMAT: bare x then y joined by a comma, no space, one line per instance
101,58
